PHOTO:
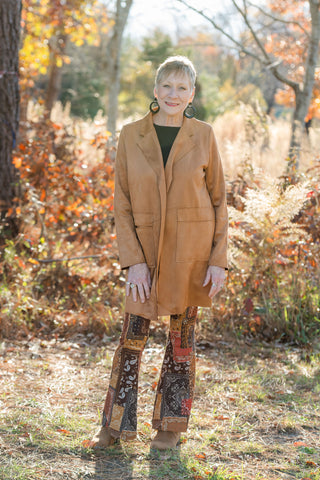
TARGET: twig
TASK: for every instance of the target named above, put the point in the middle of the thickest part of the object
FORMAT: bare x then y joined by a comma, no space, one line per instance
281,20
53,260
266,60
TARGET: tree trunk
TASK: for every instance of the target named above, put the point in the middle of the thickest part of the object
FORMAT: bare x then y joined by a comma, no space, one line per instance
10,16
55,72
113,62
303,94
297,127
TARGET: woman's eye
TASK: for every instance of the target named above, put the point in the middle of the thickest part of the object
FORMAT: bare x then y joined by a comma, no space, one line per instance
183,88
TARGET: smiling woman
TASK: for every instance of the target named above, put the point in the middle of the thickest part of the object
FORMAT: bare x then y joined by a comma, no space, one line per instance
171,220
174,90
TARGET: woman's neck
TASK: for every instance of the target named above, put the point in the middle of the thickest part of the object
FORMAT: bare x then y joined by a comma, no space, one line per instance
167,120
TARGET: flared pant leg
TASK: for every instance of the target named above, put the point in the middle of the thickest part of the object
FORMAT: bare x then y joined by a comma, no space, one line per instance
176,384
120,408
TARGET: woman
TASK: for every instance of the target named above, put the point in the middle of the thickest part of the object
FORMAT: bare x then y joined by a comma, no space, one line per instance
171,221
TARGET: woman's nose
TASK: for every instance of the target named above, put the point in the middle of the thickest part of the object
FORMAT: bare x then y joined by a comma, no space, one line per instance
173,92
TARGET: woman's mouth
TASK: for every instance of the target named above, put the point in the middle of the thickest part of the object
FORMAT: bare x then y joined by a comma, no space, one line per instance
171,104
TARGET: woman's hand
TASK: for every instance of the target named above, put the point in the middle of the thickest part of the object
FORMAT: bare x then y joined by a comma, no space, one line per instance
139,282
217,277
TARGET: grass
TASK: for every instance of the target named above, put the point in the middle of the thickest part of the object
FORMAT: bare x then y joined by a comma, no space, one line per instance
256,414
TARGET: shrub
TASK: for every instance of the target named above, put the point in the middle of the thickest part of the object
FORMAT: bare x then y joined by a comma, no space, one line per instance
273,285
63,265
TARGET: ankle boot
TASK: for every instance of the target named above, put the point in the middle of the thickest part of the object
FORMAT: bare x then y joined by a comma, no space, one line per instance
165,440
102,439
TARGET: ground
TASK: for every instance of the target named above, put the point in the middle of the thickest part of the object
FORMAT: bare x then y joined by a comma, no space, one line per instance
256,413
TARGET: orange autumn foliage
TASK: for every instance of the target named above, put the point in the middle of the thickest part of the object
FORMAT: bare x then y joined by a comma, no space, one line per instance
292,50
43,20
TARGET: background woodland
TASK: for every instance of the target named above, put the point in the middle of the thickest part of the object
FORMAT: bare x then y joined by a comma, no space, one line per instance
70,77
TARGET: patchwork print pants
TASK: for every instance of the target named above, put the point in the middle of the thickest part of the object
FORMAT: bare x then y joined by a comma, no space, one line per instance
176,384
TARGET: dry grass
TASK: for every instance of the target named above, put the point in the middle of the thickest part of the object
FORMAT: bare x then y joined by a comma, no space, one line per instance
246,137
256,414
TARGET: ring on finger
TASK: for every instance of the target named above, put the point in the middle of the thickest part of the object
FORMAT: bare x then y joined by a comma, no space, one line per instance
132,285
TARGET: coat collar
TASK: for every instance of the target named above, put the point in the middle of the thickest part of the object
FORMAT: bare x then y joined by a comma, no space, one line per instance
149,144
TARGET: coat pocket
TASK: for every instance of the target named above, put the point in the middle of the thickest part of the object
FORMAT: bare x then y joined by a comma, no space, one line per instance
195,230
143,223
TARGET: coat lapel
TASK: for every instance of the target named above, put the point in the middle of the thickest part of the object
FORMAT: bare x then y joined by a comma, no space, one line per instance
148,143
182,145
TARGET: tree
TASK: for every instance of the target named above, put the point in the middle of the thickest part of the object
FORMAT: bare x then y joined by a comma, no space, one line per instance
293,53
269,58
48,26
112,60
10,17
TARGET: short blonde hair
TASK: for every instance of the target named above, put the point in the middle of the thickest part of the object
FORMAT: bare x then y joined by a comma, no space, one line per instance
176,64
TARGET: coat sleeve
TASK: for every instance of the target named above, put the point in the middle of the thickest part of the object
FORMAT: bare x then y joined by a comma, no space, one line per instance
217,190
130,251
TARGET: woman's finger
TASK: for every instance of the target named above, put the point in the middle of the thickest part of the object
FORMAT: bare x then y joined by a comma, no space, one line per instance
213,291
141,292
215,288
134,292
146,287
207,279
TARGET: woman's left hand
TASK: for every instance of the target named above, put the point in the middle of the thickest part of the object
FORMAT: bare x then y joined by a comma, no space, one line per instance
217,277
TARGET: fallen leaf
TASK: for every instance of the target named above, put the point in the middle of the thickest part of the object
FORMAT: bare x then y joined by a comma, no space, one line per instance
87,443
221,417
62,430
201,456
300,444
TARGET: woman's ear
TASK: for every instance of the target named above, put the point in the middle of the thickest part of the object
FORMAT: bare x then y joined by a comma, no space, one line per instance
192,94
155,92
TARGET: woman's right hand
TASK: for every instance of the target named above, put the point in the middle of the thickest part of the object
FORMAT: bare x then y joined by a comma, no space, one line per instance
139,275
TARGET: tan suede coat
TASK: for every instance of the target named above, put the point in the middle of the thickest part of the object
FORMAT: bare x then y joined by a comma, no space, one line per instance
174,218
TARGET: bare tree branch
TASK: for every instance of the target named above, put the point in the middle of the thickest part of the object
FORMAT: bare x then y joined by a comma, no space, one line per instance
266,60
244,15
303,89
240,46
70,259
280,20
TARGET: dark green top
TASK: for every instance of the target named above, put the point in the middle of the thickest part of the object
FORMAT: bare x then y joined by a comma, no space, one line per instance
166,137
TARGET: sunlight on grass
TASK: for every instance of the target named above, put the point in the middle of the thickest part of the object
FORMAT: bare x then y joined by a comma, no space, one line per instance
244,424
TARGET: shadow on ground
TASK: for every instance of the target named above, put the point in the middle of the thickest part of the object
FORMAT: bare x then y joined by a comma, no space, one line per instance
114,465
121,465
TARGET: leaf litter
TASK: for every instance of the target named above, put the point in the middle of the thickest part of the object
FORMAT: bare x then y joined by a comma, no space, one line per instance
256,413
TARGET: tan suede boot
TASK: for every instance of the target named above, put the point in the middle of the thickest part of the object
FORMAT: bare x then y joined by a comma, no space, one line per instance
165,440
102,439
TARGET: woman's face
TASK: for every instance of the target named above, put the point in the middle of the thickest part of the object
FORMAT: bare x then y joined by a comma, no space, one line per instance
174,92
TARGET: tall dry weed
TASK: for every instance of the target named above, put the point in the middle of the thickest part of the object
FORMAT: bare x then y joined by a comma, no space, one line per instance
274,258
248,136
